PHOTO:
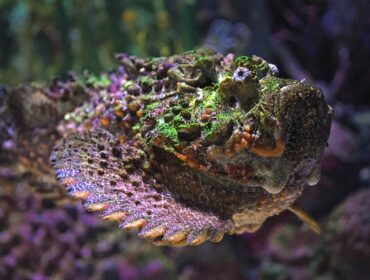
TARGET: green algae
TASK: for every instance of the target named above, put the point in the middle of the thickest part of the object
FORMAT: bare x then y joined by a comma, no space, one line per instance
146,81
128,84
98,81
211,99
169,131
272,85
221,123
136,128
254,63
152,106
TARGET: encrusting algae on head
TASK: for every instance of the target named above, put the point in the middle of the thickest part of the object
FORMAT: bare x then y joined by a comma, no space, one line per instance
190,147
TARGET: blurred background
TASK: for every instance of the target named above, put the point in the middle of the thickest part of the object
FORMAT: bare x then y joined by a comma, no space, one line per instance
326,42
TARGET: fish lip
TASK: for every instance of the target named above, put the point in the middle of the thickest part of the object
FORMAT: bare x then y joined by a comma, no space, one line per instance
256,182
230,183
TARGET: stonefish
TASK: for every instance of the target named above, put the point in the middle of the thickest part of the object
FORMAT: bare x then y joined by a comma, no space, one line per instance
190,147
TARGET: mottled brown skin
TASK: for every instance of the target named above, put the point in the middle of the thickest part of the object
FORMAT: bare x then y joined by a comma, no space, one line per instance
199,145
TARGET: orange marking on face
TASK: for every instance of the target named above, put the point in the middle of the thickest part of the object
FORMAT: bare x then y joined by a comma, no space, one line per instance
208,111
104,122
247,136
140,113
121,138
181,156
119,113
243,143
191,161
275,152
206,114
204,117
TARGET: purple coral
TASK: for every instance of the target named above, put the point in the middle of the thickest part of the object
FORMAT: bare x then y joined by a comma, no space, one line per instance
42,238
347,238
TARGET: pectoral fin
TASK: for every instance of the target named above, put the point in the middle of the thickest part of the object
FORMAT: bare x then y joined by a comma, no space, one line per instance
304,217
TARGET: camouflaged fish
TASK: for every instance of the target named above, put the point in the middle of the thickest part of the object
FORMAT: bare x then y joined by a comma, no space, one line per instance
190,147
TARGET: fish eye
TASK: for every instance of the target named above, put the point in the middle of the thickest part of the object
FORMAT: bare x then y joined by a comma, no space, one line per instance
241,73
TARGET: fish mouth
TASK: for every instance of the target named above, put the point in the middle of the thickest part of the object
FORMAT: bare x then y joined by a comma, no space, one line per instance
257,166
256,183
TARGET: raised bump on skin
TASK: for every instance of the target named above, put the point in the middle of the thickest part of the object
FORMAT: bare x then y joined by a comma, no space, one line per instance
275,152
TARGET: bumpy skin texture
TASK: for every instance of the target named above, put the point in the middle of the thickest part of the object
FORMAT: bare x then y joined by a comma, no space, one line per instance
193,146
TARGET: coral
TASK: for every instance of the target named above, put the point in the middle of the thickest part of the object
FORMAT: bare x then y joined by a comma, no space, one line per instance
347,238
41,238
29,117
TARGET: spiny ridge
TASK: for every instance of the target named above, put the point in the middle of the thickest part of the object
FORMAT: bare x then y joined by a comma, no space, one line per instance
108,177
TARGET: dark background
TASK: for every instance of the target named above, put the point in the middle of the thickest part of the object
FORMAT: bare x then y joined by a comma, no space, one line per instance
326,42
